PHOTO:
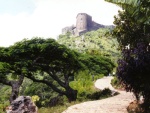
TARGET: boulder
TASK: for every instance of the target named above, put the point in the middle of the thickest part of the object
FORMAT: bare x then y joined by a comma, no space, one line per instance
23,104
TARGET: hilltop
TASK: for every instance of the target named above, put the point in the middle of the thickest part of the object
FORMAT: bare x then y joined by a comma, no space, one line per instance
84,23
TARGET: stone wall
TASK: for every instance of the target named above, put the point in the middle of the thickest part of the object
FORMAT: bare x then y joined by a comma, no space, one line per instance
84,24
69,29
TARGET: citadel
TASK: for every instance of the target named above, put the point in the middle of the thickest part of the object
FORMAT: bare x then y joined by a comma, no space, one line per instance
84,24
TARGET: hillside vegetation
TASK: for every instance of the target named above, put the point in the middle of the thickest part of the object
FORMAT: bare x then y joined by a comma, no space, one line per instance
92,52
95,42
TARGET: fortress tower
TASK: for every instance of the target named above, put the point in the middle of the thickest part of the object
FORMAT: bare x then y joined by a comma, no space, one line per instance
84,24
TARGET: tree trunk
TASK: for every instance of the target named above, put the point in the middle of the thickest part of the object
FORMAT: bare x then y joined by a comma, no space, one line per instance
71,94
15,91
15,88
15,85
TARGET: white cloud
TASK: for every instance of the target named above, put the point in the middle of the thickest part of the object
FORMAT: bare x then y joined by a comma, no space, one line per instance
50,16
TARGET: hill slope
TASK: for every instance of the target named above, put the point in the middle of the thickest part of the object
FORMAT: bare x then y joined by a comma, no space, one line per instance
94,42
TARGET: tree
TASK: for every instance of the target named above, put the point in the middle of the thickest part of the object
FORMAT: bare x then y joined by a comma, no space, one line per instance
138,9
132,30
46,61
97,64
7,69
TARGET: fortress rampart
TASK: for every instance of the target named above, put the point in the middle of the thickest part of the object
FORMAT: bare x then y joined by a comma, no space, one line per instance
84,24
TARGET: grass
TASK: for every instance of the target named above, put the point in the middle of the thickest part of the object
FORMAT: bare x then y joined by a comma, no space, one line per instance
59,108
97,95
86,92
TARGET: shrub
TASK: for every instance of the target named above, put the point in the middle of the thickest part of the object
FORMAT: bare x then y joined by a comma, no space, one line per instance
134,70
116,83
83,84
99,94
58,100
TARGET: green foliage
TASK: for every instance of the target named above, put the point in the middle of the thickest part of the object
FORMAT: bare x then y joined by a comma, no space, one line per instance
138,9
84,84
95,42
56,109
54,68
97,64
124,3
46,61
116,83
98,76
128,31
60,108
132,28
42,60
35,98
99,94
5,92
41,90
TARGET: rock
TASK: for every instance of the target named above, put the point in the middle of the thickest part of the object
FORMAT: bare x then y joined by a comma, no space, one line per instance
135,107
23,104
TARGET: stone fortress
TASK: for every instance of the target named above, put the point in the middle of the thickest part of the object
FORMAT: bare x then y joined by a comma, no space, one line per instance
84,24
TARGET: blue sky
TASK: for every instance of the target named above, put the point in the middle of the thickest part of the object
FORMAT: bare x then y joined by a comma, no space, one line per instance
45,18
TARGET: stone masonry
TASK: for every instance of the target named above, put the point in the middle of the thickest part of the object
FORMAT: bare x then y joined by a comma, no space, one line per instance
84,24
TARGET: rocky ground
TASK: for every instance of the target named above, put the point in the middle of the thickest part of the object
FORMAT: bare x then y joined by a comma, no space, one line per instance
115,104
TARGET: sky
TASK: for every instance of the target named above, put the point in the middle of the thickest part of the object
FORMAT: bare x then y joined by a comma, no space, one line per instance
21,19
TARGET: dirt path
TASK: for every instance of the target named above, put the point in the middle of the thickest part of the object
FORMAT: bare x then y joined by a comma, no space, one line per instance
116,104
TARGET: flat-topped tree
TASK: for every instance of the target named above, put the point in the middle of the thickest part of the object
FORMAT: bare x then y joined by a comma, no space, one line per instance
46,61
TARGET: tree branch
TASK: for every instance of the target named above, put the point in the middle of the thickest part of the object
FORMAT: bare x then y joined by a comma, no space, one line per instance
51,73
55,77
4,81
21,78
30,76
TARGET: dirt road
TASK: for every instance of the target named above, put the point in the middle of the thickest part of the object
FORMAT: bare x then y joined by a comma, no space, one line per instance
116,104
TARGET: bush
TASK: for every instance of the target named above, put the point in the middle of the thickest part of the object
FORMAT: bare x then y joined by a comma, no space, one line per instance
5,92
99,94
58,100
134,70
98,76
43,92
116,83
83,84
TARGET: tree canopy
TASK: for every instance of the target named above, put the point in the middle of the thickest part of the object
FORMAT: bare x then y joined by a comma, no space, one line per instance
97,64
42,60
48,62
138,9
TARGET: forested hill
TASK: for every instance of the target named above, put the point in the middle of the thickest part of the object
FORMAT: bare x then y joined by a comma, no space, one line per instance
94,42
